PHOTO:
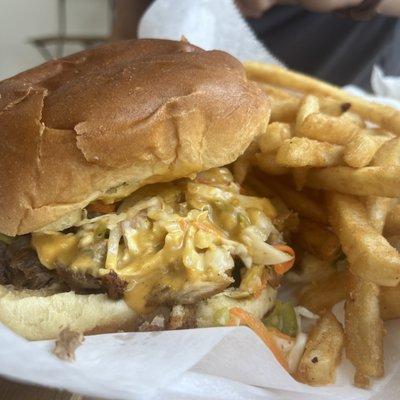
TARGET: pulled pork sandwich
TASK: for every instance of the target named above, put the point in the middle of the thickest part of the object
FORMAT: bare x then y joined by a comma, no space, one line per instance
116,212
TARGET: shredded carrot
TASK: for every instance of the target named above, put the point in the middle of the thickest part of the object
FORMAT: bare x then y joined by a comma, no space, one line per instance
258,291
280,269
262,284
183,224
102,208
240,316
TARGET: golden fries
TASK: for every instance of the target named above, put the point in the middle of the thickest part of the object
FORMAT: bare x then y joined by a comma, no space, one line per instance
317,240
300,177
392,223
382,115
303,152
388,154
353,118
285,110
364,329
309,105
334,107
297,201
275,92
360,150
321,295
390,302
370,255
335,149
367,181
329,129
377,209
276,134
323,352
267,163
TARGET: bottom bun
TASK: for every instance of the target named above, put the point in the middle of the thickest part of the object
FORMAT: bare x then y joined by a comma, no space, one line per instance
209,311
40,314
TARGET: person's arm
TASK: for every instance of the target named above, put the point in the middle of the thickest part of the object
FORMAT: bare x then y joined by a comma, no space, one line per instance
389,8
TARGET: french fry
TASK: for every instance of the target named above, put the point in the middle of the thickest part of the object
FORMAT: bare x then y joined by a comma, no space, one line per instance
304,152
333,107
321,295
379,207
300,177
388,154
284,110
323,352
311,269
353,118
317,240
260,187
370,255
363,328
392,223
360,150
297,201
335,149
379,139
309,105
385,116
394,241
267,163
390,302
242,165
276,134
367,181
377,210
357,319
326,128
275,92
240,168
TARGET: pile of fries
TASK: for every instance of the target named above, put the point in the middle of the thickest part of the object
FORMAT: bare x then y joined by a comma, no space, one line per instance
333,159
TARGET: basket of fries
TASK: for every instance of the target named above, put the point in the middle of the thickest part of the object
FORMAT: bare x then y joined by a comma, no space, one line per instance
334,159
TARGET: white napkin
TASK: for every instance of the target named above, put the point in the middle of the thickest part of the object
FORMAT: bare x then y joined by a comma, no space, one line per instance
210,24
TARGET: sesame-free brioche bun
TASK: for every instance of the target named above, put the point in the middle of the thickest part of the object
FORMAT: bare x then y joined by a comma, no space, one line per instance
121,115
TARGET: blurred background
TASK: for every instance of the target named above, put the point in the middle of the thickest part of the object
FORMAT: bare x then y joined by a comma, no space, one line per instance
33,31
340,45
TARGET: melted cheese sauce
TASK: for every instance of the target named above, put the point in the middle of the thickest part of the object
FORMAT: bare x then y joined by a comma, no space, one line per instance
167,241
55,249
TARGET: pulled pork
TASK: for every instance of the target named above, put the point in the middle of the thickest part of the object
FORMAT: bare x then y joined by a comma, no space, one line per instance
114,285
20,266
79,282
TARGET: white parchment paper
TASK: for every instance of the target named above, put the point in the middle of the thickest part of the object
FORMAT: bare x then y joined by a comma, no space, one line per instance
214,363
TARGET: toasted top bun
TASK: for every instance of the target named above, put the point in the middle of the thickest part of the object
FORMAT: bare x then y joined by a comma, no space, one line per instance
127,113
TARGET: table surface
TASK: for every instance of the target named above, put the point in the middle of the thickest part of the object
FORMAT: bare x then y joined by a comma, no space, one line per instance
20,391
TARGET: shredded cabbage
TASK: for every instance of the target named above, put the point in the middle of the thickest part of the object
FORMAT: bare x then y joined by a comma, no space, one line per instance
199,225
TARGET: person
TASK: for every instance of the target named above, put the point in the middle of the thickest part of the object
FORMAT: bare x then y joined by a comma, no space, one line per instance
336,40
